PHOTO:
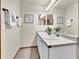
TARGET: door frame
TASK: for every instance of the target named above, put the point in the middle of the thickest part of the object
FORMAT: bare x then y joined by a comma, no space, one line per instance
0,29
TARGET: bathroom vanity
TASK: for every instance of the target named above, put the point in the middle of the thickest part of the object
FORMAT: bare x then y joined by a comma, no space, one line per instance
52,47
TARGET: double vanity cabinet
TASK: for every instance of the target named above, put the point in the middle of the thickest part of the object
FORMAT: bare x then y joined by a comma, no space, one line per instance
52,47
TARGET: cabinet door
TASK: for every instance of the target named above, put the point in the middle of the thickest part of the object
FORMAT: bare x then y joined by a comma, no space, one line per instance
63,52
39,44
45,50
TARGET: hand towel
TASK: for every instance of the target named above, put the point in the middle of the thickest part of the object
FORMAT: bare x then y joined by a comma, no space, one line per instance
12,18
68,23
18,22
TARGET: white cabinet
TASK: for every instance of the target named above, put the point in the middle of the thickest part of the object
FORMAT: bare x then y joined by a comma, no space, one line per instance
63,52
58,52
43,49
40,46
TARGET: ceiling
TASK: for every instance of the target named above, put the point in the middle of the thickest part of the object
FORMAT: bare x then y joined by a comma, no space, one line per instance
44,3
35,2
64,3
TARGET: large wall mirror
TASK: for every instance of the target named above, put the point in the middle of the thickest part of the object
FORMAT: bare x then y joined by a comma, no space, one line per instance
63,13
46,19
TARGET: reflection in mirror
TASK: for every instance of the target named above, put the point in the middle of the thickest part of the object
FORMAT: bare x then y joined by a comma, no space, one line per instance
41,19
46,19
49,19
61,14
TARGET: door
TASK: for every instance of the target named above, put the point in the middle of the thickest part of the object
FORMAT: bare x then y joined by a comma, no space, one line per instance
0,30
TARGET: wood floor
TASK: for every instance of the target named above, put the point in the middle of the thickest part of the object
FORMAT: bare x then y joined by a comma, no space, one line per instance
28,53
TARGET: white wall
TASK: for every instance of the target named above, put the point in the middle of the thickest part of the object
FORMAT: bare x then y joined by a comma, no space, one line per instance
72,13
28,31
10,38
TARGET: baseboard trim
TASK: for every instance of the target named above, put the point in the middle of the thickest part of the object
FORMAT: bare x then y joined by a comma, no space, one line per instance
28,47
16,53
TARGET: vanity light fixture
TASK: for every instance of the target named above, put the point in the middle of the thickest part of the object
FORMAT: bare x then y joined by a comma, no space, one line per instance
42,15
50,4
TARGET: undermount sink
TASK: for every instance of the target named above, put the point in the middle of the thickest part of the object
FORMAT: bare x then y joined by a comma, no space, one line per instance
47,37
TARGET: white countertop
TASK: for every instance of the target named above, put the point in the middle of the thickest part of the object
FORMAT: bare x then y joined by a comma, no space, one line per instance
75,36
52,40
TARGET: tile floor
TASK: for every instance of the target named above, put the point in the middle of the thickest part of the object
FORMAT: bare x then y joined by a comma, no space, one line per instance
28,53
